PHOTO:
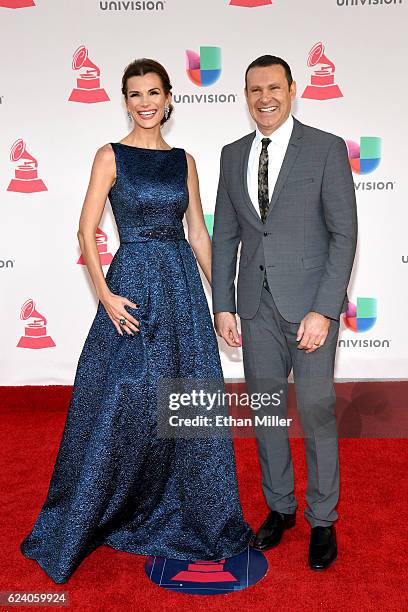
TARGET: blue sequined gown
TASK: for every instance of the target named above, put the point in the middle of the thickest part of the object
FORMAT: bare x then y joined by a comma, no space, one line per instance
115,482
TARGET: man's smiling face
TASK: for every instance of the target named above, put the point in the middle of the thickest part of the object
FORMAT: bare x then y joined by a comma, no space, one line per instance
269,97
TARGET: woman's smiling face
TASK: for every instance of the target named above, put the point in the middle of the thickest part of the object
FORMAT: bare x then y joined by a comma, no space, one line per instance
146,99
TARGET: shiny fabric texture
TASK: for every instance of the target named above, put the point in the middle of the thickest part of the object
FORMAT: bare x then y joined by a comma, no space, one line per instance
115,482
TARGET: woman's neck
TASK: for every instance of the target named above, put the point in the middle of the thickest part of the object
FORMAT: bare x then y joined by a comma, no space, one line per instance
146,139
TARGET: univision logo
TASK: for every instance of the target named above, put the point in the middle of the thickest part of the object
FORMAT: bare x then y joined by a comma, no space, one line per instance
366,2
204,69
364,158
6,263
360,318
147,5
209,222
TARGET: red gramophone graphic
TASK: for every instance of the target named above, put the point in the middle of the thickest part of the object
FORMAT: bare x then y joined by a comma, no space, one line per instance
15,4
25,176
250,3
322,81
102,244
205,571
35,336
88,89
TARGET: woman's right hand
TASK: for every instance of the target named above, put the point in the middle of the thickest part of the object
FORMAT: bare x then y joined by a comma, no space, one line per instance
115,307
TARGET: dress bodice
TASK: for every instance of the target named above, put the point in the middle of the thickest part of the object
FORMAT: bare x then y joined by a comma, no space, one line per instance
150,189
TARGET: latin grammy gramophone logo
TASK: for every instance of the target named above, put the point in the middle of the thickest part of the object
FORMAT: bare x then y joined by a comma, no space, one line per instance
16,4
26,178
208,577
205,571
322,85
88,89
250,3
102,244
35,336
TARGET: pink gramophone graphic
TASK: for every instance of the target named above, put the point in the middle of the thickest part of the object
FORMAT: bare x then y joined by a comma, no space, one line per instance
25,176
205,571
88,89
16,4
35,336
322,81
250,3
102,244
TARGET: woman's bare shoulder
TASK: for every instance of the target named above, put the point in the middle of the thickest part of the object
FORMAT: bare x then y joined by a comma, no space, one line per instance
105,157
105,153
191,165
190,158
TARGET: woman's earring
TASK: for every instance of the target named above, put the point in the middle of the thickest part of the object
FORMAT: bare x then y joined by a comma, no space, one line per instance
129,116
166,112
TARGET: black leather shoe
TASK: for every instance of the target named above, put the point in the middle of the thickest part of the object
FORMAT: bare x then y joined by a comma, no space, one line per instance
323,547
270,532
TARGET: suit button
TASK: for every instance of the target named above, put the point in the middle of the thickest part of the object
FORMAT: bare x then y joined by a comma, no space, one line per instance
265,233
261,267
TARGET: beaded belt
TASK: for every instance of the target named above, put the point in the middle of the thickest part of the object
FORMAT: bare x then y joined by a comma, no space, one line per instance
143,233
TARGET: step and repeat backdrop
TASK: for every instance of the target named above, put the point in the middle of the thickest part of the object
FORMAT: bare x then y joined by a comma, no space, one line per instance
60,100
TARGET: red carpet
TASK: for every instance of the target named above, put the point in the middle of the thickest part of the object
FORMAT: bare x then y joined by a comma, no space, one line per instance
370,574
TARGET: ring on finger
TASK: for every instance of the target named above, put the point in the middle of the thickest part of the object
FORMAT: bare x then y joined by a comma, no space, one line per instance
122,321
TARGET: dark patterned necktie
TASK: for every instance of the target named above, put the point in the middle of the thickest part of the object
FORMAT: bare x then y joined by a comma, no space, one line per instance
263,190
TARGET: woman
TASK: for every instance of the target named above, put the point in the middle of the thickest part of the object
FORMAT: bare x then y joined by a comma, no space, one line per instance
116,481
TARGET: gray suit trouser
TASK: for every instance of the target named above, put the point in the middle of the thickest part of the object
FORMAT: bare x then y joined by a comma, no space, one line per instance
269,353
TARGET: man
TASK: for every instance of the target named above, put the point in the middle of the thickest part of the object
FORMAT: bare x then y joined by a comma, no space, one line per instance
286,194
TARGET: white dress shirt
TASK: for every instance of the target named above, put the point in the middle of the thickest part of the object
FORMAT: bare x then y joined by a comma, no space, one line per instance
276,152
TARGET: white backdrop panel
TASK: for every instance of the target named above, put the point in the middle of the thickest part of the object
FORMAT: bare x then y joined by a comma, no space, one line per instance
38,245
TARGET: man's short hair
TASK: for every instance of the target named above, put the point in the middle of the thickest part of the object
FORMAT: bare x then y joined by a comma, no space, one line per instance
270,60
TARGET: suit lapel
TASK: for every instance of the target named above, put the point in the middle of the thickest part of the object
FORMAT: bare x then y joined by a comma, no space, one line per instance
295,143
244,171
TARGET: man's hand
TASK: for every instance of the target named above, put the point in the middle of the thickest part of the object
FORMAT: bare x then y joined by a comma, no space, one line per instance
312,332
226,327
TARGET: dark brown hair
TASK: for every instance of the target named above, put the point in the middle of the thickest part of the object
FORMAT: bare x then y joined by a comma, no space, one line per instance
142,66
270,60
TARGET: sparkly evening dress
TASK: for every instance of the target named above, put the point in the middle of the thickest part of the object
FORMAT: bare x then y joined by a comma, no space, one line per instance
115,481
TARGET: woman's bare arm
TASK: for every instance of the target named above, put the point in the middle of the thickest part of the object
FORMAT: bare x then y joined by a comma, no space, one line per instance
197,231
103,176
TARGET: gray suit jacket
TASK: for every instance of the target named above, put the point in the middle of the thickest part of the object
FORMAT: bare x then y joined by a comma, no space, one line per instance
308,241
